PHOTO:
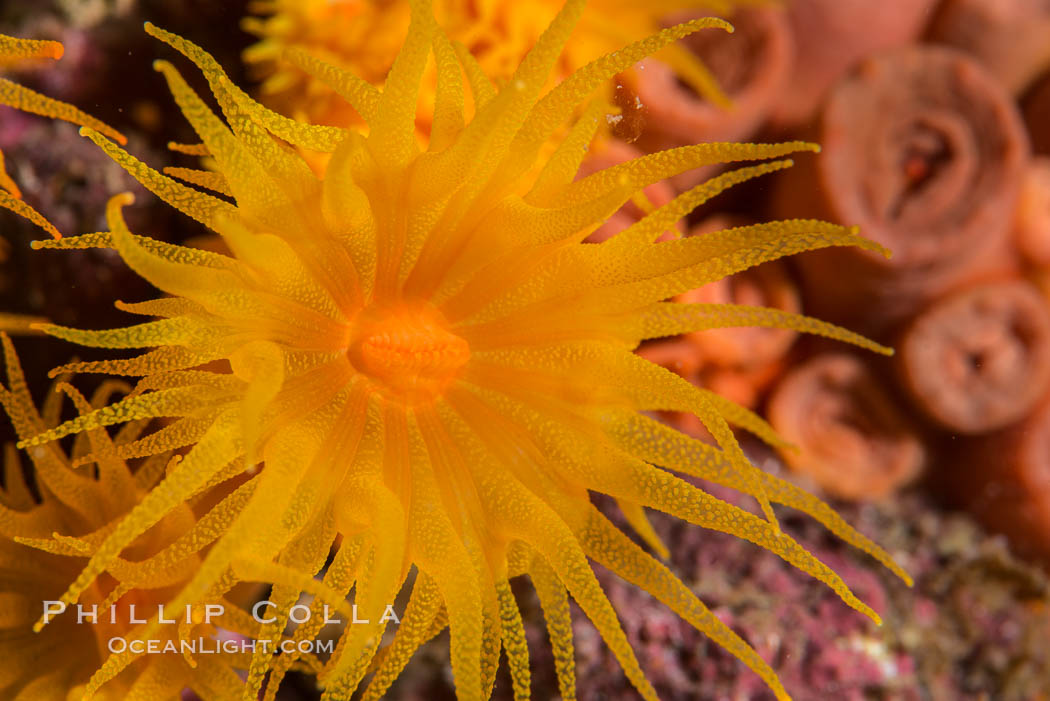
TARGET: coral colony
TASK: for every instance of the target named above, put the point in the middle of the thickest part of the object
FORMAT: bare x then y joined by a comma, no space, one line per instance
411,363
364,38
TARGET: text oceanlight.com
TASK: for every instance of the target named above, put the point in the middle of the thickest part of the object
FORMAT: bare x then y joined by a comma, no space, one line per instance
211,646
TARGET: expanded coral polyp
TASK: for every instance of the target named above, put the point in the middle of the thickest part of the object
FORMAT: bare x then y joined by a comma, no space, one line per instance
457,424
408,350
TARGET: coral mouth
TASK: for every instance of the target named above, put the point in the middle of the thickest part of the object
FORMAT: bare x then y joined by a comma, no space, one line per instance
407,350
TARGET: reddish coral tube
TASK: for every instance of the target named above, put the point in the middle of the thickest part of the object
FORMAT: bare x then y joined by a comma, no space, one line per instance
675,354
743,385
752,66
1032,218
853,440
979,360
831,36
925,152
1010,37
1004,479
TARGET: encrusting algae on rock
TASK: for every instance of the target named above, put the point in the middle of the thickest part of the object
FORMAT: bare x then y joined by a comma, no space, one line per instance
418,361
49,526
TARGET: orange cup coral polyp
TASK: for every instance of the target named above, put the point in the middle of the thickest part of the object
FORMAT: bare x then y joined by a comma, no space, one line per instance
49,524
431,370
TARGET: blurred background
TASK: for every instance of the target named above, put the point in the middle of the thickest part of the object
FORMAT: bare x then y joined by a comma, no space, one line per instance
934,117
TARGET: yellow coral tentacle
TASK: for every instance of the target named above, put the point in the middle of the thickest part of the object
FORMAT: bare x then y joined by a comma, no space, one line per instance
14,49
6,183
654,167
317,138
559,103
424,607
394,130
514,644
361,95
555,603
654,442
204,208
480,84
637,519
448,99
210,180
176,254
212,453
11,202
22,98
664,319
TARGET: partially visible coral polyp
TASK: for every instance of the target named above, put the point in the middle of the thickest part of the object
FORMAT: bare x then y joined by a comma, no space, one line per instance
1008,36
50,524
359,35
937,183
1031,227
1007,483
831,38
978,360
365,36
850,437
752,65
